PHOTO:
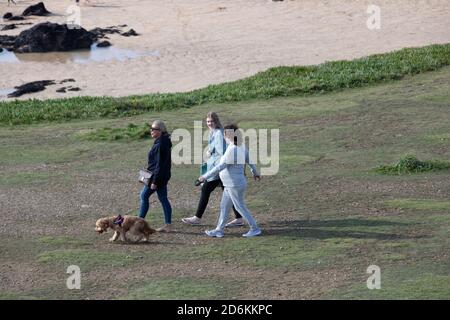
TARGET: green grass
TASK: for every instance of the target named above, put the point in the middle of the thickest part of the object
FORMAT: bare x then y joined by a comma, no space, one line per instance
418,204
275,82
62,241
130,132
325,216
403,282
410,164
86,259
180,288
292,245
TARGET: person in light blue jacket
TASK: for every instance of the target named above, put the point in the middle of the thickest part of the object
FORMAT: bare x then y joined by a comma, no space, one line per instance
217,147
231,171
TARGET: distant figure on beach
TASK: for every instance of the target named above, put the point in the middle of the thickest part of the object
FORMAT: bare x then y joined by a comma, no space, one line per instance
9,1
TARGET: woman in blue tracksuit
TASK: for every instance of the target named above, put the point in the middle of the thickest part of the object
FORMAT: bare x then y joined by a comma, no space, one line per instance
231,170
159,163
217,147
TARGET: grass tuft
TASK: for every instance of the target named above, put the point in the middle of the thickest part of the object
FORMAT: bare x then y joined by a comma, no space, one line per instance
409,164
129,133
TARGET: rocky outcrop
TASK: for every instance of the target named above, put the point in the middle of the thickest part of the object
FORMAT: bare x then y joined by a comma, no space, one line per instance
10,17
104,44
36,10
30,87
46,37
130,33
7,42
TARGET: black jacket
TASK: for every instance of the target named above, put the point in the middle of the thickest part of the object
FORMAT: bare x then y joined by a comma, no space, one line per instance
160,160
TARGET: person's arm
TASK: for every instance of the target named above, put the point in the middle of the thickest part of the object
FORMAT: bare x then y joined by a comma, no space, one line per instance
219,167
252,166
219,146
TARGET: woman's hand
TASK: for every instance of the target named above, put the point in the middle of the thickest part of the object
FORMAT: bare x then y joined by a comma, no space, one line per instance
153,186
257,178
201,179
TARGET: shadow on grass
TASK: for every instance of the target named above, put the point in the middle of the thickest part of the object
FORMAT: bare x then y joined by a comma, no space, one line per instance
311,229
143,243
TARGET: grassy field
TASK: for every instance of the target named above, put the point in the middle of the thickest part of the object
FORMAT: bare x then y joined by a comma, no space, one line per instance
326,216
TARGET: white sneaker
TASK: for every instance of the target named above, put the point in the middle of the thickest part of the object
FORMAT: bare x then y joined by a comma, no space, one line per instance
252,233
238,222
214,233
192,220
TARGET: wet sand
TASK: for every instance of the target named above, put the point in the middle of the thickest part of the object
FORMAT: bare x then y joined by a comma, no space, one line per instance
202,42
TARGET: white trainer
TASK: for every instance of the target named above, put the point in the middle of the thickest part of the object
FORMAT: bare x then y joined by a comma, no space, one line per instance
252,233
192,220
214,233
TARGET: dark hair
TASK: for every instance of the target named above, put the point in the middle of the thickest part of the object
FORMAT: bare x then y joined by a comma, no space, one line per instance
232,131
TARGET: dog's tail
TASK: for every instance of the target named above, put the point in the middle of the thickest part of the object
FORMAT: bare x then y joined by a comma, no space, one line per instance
147,229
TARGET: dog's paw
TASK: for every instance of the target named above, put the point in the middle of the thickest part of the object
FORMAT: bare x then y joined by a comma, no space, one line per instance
112,239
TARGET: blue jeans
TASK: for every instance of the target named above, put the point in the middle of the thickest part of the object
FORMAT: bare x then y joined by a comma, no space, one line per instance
162,196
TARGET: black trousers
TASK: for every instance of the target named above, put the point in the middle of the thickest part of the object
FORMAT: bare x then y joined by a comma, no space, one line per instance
207,188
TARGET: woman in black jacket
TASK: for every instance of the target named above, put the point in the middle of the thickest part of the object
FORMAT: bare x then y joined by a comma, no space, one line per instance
159,163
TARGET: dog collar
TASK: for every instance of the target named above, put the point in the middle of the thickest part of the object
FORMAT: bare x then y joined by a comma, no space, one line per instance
118,220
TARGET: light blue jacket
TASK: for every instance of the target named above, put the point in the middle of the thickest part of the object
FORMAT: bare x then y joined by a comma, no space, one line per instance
217,147
231,167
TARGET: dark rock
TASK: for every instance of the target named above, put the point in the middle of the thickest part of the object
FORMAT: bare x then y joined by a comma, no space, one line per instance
30,87
36,10
9,16
104,44
74,89
8,27
16,18
7,42
45,37
61,90
67,80
130,33
12,26
102,32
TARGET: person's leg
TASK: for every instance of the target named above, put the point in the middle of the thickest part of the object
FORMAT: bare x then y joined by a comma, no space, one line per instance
207,188
237,195
167,208
225,205
236,213
145,203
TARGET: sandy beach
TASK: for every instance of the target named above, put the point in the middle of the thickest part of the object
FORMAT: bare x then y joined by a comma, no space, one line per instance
195,43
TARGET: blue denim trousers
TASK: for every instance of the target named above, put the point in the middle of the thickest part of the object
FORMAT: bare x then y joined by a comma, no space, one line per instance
162,196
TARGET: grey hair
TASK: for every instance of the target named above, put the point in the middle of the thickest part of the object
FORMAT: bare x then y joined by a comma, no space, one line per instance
160,125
